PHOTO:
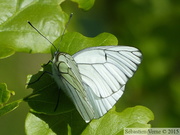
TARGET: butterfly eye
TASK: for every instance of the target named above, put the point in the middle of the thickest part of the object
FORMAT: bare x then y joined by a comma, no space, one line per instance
55,53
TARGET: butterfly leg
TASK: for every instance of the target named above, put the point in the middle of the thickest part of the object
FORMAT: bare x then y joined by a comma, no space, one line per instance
45,72
50,61
59,91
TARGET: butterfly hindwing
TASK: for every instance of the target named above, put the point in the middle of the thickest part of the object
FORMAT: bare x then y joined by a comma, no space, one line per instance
105,71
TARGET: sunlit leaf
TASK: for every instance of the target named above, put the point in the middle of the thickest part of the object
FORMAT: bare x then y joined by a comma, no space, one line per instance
6,52
84,4
73,42
38,124
9,107
113,123
5,94
110,124
16,34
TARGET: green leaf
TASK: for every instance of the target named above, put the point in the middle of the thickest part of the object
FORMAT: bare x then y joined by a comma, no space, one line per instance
63,124
36,126
84,4
46,93
6,52
73,42
9,107
17,35
113,122
5,94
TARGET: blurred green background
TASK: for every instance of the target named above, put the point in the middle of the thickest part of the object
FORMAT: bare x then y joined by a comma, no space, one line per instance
153,26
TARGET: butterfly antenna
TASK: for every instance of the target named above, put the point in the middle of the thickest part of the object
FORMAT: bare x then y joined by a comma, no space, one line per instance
70,16
42,35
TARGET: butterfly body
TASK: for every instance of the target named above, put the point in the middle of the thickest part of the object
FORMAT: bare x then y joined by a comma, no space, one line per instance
95,78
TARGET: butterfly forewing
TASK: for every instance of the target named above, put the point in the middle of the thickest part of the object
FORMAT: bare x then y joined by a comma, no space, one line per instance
67,76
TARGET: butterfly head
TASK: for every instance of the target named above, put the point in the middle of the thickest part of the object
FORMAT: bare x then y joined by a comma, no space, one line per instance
55,56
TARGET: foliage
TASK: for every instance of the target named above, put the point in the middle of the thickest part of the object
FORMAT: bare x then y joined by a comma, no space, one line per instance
17,36
5,95
111,124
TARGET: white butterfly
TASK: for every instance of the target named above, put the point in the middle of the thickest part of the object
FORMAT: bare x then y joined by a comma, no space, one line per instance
95,78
